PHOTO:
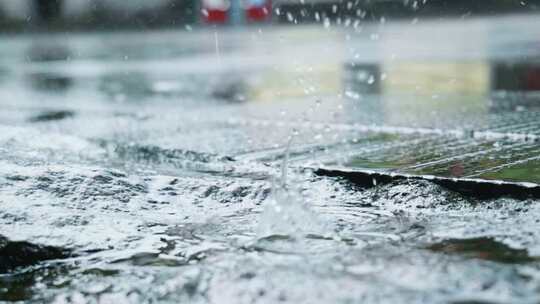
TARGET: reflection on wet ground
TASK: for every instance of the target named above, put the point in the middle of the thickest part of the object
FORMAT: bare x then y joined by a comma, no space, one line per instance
136,86
48,51
49,82
147,167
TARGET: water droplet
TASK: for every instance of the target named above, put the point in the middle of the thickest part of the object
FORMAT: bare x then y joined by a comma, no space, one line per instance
327,129
290,17
326,22
352,94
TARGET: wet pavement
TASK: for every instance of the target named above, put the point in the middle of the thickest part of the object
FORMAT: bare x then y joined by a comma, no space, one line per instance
331,163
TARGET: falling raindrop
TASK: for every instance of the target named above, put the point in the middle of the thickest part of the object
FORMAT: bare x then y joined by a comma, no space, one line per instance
216,40
326,22
290,17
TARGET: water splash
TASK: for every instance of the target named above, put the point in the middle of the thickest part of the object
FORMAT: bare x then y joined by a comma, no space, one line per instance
287,213
216,41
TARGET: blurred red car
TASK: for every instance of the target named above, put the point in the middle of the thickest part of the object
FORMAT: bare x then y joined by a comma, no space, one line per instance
258,10
215,11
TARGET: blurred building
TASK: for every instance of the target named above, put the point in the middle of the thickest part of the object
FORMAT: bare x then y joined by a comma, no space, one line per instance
97,13
75,8
106,14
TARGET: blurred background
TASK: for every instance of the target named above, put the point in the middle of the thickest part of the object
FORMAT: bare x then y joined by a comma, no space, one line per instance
447,66
110,14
